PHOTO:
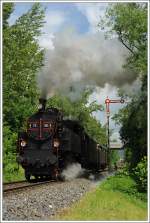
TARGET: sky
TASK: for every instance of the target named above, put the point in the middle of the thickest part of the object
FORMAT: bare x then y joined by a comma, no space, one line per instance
83,18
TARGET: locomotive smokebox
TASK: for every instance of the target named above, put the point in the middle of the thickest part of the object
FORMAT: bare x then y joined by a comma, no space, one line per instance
42,104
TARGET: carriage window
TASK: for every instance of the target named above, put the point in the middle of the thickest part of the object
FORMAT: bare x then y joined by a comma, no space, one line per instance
46,125
33,125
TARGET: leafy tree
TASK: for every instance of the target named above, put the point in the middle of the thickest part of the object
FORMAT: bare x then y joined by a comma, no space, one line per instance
22,57
128,22
7,10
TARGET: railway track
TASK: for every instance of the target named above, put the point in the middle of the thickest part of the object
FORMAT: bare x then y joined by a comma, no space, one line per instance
13,186
18,185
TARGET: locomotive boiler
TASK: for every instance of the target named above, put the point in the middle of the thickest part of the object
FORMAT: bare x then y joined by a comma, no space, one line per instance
50,143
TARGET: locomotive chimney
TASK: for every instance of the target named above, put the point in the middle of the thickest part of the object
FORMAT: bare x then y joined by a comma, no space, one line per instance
42,104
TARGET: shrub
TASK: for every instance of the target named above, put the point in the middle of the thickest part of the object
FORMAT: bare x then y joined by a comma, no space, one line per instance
10,166
114,157
124,171
140,174
125,184
121,183
128,155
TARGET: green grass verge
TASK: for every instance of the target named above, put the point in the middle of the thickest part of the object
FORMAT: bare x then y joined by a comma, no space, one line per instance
115,199
9,176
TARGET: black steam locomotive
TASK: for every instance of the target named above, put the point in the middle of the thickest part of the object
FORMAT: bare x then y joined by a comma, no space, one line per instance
51,143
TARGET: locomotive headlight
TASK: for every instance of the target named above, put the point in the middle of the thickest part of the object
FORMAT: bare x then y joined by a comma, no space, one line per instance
56,143
23,143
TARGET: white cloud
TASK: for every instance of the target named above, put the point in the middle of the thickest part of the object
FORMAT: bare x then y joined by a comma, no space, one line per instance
54,19
46,41
93,12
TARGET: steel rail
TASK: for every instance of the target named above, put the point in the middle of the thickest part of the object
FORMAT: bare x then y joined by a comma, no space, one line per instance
18,187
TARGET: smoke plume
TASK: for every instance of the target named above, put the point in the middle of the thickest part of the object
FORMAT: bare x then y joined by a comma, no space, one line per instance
78,61
72,171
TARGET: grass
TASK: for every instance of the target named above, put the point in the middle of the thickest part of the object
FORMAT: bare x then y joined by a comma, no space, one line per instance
13,175
116,199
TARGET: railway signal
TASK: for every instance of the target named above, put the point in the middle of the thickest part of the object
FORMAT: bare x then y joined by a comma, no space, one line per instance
108,102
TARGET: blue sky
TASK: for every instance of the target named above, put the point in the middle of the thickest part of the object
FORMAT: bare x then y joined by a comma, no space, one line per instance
83,17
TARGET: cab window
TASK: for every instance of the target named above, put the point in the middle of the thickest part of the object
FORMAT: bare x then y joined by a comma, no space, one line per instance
45,125
33,125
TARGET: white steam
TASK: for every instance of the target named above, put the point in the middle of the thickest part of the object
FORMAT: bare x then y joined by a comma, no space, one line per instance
72,171
78,61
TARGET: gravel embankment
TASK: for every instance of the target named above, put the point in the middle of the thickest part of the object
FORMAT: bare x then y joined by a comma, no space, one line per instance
43,201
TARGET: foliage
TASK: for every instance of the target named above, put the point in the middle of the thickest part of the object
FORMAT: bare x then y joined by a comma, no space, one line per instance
134,129
22,57
7,10
128,22
124,171
11,174
121,183
82,111
114,157
128,154
140,174
126,184
9,155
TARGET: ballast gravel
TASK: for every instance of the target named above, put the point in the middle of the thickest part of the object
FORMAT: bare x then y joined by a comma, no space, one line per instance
43,201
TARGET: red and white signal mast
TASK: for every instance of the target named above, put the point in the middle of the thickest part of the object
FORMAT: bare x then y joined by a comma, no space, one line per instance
108,102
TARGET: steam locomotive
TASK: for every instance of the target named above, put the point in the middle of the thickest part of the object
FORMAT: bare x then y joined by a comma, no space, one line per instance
51,143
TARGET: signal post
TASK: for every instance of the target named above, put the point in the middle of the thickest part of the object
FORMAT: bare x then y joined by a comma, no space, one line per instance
108,102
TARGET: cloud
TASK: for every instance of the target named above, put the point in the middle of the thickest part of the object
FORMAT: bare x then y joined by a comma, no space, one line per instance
46,41
54,20
92,11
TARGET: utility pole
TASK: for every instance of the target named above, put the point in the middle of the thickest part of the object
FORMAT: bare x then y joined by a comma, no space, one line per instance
107,102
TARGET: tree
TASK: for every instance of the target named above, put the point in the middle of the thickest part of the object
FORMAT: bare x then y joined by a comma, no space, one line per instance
7,10
22,57
128,21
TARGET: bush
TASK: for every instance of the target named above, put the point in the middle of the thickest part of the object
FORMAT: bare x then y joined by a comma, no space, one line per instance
124,171
114,157
128,155
121,183
10,166
125,184
140,174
